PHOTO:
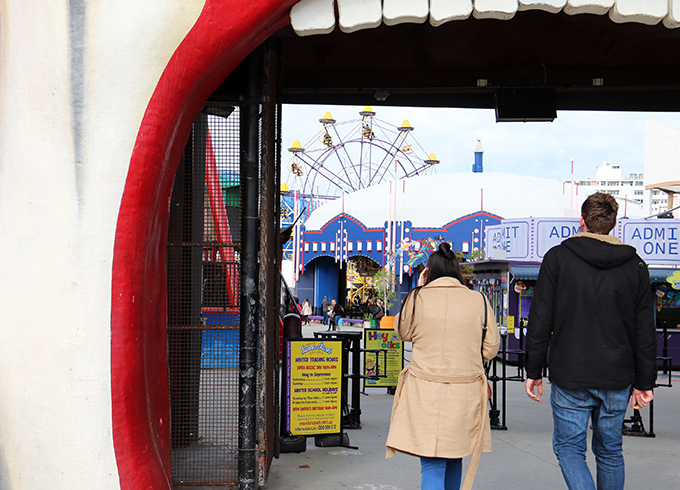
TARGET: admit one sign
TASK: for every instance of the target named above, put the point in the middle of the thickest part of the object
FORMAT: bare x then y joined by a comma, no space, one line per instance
528,238
657,241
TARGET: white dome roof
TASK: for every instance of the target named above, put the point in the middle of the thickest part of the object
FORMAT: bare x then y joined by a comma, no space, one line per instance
435,200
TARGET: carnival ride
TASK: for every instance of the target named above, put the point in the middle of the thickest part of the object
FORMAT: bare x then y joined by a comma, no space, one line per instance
344,157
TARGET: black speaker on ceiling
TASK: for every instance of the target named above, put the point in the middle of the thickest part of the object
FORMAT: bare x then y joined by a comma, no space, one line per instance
523,105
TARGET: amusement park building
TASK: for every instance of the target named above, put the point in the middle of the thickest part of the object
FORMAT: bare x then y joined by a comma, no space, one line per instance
453,207
97,104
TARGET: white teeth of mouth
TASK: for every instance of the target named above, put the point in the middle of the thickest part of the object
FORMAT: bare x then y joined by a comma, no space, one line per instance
310,17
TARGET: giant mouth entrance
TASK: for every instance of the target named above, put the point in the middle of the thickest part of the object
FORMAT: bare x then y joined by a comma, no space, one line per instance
411,62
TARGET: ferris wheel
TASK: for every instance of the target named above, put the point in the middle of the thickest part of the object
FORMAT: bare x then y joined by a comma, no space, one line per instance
344,157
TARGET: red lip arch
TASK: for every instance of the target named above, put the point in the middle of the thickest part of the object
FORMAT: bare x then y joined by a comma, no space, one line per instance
225,33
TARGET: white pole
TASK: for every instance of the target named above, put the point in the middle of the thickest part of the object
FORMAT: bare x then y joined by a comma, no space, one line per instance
401,255
296,238
571,206
394,215
388,240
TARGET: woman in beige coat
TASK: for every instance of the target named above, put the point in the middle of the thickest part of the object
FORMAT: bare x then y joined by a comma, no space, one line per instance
440,406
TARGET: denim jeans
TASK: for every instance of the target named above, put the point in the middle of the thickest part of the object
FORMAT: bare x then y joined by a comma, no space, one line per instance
572,410
440,473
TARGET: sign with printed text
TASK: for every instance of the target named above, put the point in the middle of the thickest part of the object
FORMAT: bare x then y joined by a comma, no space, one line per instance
511,324
516,238
509,240
655,240
314,385
494,243
374,363
551,232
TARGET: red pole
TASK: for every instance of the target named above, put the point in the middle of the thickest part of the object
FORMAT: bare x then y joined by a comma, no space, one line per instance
219,214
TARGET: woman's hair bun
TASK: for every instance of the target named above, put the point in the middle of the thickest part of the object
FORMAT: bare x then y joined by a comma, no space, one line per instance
445,249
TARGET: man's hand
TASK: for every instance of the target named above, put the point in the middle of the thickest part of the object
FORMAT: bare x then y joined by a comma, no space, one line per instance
530,384
641,399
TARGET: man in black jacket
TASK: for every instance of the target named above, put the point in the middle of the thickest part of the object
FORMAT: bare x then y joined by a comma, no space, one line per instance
593,307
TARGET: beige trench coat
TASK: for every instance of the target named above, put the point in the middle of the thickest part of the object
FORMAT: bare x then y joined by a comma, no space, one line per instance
441,401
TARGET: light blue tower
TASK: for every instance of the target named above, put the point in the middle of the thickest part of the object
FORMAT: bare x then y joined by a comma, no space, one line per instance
479,156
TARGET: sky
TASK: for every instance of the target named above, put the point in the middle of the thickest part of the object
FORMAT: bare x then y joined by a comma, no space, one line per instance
539,149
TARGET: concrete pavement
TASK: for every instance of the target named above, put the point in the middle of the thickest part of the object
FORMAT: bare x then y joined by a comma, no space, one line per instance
522,456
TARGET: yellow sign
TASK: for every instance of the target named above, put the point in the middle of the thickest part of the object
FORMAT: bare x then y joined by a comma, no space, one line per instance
674,280
374,363
314,383
511,324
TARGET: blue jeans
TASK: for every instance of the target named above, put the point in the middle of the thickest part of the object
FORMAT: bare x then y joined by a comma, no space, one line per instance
440,473
572,409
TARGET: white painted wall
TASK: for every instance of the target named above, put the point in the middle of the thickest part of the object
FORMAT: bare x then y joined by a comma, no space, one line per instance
71,103
607,171
662,152
661,160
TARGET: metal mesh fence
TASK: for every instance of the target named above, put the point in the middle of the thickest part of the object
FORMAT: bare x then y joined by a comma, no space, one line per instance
204,239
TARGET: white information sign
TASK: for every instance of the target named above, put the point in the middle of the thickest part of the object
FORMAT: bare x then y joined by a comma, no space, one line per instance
516,238
553,231
656,241
495,246
509,240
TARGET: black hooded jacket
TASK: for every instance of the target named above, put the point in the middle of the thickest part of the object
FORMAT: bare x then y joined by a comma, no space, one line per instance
593,306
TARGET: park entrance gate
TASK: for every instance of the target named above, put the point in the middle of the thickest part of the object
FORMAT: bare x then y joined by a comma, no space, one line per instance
223,285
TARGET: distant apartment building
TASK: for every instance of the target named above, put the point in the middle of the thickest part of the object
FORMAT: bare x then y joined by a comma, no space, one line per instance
657,190
609,178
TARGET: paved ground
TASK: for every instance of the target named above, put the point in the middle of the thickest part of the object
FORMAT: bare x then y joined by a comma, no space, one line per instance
522,456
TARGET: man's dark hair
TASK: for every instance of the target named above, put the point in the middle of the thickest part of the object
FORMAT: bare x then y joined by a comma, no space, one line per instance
599,213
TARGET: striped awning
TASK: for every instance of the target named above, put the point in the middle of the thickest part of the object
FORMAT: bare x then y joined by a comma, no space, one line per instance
660,275
528,273
524,273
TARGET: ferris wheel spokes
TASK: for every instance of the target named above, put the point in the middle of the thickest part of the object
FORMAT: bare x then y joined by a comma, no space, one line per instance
385,162
319,170
353,188
346,162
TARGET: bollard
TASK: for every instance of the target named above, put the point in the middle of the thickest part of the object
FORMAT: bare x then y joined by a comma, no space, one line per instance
292,326
292,329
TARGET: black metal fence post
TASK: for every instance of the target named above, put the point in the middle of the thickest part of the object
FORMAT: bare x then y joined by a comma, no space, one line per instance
250,147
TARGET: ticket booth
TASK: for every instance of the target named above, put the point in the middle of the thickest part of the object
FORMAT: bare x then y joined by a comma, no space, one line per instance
667,318
510,289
